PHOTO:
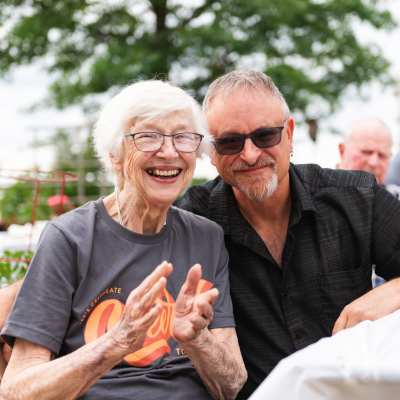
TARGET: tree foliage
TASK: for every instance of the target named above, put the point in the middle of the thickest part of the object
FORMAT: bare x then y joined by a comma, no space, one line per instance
307,46
79,159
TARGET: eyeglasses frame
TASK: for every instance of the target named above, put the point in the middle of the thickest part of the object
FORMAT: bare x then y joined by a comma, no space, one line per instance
164,135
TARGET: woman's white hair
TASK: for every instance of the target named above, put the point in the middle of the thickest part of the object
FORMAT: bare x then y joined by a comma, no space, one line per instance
146,99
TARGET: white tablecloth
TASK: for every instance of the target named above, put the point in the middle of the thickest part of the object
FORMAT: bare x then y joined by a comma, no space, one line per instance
361,363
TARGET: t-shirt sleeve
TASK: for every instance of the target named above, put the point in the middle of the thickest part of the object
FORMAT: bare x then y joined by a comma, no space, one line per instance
386,234
42,309
223,310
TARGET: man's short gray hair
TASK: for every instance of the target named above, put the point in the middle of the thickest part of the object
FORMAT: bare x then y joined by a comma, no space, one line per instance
243,79
145,100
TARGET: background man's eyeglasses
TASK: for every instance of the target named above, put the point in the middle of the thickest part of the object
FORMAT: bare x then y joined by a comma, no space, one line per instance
261,137
184,142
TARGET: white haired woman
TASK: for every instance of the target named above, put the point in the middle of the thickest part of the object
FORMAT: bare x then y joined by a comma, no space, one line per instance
93,318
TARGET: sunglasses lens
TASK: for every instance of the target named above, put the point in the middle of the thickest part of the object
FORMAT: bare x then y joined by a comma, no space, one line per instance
267,137
229,145
262,138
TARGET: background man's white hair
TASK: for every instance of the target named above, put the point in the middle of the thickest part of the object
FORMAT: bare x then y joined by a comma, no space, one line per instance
243,79
146,99
367,125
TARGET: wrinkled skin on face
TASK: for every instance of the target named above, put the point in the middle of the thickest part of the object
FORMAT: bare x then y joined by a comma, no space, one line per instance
157,178
367,149
255,172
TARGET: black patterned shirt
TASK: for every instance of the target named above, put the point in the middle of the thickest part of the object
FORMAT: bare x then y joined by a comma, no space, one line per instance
341,223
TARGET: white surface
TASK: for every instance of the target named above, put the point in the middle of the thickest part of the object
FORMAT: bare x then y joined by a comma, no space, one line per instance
361,363
21,237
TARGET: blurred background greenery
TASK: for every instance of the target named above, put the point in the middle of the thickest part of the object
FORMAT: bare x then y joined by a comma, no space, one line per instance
13,266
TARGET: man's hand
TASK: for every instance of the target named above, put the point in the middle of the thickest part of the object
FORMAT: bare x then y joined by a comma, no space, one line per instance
193,311
141,310
373,305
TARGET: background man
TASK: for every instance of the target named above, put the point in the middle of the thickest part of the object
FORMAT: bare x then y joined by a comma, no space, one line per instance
367,147
301,239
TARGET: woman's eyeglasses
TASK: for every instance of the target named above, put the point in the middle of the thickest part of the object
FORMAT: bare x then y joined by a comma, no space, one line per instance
261,137
184,142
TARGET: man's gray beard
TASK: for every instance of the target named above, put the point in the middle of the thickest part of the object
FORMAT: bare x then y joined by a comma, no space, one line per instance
260,194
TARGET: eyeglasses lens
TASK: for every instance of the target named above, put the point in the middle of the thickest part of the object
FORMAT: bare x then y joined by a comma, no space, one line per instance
186,142
267,137
230,145
148,141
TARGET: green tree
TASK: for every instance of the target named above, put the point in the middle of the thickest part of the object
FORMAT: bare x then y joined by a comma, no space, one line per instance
79,159
308,46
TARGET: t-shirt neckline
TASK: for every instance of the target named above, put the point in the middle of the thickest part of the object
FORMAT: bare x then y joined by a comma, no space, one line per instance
128,234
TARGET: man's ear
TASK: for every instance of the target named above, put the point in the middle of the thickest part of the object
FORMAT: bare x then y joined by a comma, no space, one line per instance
342,148
213,155
290,126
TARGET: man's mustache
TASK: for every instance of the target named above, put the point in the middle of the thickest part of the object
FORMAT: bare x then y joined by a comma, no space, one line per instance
260,163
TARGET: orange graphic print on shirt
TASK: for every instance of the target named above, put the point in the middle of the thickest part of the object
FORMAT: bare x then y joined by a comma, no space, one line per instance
108,312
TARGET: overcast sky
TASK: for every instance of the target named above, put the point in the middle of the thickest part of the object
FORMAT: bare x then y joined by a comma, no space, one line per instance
28,84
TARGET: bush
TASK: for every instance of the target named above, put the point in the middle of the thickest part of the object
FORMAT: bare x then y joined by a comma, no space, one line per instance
13,266
16,203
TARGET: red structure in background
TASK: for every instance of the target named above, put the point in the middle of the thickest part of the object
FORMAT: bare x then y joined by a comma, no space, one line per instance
38,177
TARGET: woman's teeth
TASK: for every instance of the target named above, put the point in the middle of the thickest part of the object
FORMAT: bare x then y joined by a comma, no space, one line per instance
170,173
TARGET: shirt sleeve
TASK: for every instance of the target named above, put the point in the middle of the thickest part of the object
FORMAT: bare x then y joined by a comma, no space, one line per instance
42,308
386,234
223,310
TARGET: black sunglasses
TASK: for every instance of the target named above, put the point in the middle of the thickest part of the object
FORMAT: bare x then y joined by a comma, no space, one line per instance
261,137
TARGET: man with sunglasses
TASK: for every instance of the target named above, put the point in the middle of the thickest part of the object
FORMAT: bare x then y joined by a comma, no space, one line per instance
301,239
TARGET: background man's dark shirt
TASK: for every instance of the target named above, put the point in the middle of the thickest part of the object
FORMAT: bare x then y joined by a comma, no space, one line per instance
341,223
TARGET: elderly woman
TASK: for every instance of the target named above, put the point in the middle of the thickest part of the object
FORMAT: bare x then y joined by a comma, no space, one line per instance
93,317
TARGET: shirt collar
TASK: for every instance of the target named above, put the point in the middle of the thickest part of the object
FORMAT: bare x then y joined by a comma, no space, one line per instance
223,207
301,197
225,211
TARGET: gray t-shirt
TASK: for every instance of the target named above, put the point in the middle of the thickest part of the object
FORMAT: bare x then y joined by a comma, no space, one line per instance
84,269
